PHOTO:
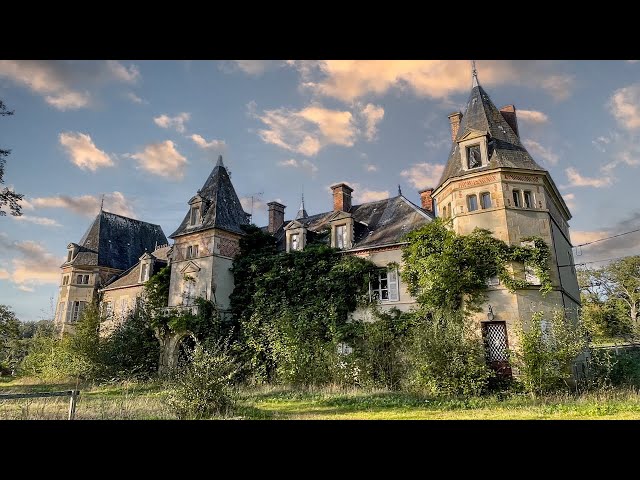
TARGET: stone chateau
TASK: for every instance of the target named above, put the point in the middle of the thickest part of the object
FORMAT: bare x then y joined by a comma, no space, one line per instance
490,181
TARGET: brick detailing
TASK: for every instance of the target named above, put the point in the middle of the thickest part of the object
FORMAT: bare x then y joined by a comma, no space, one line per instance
455,119
341,197
509,114
426,200
276,216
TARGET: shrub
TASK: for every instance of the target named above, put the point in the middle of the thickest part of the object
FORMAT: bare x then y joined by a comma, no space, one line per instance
205,387
446,356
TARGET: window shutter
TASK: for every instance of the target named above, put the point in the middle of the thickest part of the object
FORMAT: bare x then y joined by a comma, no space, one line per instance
392,279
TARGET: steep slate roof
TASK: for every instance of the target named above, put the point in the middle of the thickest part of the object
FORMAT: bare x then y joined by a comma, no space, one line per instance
378,223
118,242
221,207
504,146
131,276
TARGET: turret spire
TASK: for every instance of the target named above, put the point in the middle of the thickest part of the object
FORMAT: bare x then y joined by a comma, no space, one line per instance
302,213
474,73
219,162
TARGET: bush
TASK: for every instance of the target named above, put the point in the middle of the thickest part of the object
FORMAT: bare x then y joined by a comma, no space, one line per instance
447,357
610,369
205,387
548,348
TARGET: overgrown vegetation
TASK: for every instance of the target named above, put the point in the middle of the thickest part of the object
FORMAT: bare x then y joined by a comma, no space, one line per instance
7,197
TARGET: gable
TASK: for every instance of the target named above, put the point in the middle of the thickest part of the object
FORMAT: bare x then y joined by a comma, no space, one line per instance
190,267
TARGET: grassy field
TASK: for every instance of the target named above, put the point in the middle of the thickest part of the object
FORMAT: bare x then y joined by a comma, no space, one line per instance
130,400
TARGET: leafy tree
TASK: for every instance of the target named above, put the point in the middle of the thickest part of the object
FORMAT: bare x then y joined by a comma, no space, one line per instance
7,197
9,337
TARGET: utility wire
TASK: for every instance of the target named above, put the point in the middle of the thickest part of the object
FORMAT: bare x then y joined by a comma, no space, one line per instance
606,238
593,261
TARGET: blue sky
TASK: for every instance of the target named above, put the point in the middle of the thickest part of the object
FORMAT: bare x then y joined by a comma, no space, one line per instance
146,134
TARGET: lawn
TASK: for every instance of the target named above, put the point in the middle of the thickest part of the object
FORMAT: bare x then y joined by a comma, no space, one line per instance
131,400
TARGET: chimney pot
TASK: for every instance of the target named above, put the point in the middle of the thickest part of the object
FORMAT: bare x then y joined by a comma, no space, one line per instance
276,216
508,112
341,197
426,200
455,118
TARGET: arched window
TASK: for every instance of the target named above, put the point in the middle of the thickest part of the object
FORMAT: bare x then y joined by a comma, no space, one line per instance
485,200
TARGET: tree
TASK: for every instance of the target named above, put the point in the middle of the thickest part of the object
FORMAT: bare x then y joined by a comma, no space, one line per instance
9,336
7,197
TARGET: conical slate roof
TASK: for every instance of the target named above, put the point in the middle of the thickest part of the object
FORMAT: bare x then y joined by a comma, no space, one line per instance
504,146
117,242
221,207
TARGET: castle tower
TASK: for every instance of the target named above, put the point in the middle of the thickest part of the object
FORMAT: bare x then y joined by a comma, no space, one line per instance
206,242
490,181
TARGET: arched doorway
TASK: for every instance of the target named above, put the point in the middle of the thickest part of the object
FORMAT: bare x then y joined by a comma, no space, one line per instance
186,346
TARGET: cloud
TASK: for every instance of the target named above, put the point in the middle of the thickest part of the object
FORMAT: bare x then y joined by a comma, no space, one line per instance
176,122
66,85
577,180
423,175
34,265
370,168
4,274
88,205
372,114
532,116
624,105
569,199
136,99
348,80
438,142
250,67
212,145
314,127
601,142
365,196
83,152
621,158
538,150
161,159
622,246
47,222
305,164
258,205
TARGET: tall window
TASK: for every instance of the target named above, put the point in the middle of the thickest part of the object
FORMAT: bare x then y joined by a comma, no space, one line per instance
82,279
65,280
69,255
449,212
144,274
76,310
472,202
528,203
189,288
516,198
195,215
485,200
384,286
294,241
473,157
341,236
192,251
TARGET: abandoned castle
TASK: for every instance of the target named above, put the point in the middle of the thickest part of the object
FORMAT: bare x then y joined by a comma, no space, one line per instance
490,181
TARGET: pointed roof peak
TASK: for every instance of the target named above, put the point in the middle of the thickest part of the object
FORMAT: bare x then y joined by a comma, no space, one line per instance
302,213
219,162
474,74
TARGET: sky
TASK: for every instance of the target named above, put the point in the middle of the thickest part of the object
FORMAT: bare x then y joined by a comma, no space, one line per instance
146,135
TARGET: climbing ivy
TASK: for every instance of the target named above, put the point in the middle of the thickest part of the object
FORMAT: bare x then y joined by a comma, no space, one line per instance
447,271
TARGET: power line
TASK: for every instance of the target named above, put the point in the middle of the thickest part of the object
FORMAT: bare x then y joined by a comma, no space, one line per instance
594,261
606,238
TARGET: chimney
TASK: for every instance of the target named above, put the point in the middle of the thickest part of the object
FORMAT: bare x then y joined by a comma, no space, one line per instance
276,216
341,197
426,200
455,119
509,114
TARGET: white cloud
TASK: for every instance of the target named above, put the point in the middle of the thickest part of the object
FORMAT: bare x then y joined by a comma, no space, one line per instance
47,222
66,85
577,180
538,150
258,205
161,159
88,205
364,196
4,274
34,266
570,200
372,114
348,80
135,98
423,175
624,105
252,67
212,145
532,116
621,158
176,122
304,164
83,152
370,168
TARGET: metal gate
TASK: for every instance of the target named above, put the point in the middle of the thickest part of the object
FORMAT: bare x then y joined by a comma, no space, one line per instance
496,347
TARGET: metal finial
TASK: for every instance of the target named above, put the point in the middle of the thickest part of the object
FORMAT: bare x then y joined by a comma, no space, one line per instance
102,203
399,190
474,73
219,163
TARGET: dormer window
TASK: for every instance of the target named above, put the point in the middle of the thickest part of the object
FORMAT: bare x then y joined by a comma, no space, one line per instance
144,273
294,241
474,157
69,254
195,216
341,236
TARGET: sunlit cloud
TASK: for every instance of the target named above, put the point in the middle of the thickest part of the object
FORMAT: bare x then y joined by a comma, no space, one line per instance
83,152
44,221
532,116
34,266
176,122
162,159
303,164
423,175
88,205
578,180
538,150
218,145
624,105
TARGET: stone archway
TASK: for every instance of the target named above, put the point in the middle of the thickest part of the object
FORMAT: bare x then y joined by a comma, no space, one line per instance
173,345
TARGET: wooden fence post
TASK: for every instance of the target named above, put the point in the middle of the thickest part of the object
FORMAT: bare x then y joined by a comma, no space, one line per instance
72,404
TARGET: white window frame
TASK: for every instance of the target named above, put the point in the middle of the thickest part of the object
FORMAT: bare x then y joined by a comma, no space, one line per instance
192,251
524,199
70,255
194,215
76,310
295,241
485,195
484,153
390,276
144,272
518,196
82,279
469,197
341,236
65,280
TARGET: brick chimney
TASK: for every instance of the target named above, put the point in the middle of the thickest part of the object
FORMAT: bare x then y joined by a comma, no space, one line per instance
455,119
276,216
426,200
509,114
341,197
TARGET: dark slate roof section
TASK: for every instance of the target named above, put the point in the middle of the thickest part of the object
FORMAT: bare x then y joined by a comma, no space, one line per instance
117,242
221,207
383,222
504,146
131,277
